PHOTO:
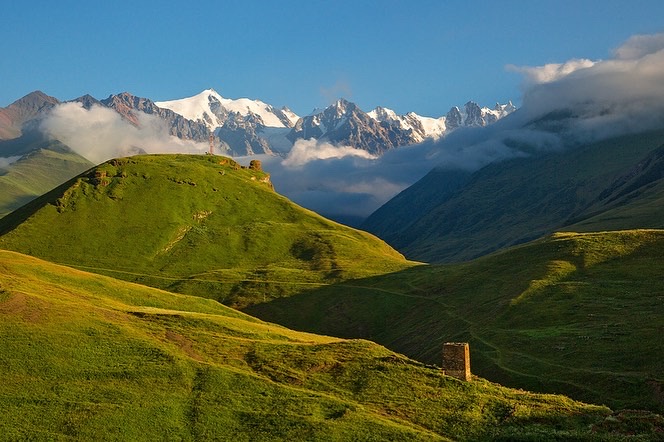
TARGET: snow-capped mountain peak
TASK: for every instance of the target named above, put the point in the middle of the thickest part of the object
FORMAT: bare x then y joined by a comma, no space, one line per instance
212,109
343,122
473,115
292,116
383,114
420,127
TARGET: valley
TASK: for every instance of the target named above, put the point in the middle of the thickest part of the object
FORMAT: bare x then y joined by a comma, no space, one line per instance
561,315
572,313
306,221
84,355
452,216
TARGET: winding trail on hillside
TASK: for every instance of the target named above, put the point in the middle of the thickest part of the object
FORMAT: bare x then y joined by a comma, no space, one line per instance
498,360
472,327
172,278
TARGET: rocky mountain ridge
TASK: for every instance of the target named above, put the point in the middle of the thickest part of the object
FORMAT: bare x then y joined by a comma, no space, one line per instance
346,124
127,105
23,111
382,129
249,127
473,115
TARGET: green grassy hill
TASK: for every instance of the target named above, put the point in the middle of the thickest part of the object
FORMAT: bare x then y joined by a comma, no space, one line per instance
579,314
48,165
607,185
87,357
193,224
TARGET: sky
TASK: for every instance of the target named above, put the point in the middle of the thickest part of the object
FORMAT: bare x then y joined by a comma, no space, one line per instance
418,55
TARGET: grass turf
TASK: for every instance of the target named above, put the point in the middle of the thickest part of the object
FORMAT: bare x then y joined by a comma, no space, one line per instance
84,356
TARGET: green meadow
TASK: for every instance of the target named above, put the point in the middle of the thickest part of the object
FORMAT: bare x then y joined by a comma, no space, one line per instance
36,173
103,340
193,224
87,357
578,314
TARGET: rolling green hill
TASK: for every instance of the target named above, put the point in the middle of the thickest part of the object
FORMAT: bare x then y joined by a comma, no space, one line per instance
607,185
578,314
87,357
46,166
193,224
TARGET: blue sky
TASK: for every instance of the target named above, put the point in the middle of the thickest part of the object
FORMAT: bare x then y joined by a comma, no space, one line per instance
418,55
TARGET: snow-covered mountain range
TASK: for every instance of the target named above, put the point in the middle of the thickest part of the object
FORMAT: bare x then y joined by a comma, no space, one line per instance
246,127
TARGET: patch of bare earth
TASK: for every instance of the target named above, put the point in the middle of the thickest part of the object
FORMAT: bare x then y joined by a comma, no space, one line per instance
186,345
19,305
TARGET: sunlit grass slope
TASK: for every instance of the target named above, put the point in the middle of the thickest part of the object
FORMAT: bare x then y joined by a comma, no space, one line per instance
87,357
193,224
579,314
37,173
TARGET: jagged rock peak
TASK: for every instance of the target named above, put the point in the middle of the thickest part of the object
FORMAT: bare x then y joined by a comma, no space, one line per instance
87,101
453,118
24,112
33,103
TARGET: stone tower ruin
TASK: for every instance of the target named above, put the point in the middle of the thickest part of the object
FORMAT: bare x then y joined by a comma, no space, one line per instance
456,360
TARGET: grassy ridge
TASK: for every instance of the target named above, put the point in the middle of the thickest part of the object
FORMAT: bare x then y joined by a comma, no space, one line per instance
84,356
37,173
579,314
193,224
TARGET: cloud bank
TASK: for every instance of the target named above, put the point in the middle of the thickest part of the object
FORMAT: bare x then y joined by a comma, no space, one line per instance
306,151
100,134
620,95
341,180
550,72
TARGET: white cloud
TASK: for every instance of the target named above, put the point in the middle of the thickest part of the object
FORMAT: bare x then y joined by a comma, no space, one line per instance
306,151
7,161
100,134
350,182
550,72
638,46
620,95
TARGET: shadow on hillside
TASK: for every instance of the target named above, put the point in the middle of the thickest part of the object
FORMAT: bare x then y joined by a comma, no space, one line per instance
18,216
584,329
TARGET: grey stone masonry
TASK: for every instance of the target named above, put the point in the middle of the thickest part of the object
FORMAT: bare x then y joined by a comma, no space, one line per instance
456,360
